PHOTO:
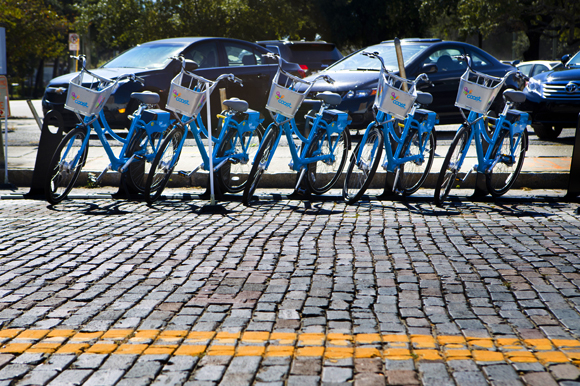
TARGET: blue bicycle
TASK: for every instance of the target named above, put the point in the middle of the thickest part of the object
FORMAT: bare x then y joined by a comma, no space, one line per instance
409,153
86,97
323,153
238,140
506,145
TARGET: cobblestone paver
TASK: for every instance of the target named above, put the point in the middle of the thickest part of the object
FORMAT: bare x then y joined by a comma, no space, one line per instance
110,292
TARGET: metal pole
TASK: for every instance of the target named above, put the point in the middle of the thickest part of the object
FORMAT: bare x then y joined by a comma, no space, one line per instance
6,141
210,145
401,62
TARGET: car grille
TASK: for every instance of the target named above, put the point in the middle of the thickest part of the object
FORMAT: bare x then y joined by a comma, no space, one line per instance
557,90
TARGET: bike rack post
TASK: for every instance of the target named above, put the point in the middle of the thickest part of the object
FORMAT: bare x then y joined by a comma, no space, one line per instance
480,186
46,148
574,177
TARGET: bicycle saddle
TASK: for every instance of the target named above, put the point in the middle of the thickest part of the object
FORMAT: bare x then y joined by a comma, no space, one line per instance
329,98
424,98
236,104
514,96
147,97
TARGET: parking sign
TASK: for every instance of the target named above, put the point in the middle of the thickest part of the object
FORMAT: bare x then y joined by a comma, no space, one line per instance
73,42
4,107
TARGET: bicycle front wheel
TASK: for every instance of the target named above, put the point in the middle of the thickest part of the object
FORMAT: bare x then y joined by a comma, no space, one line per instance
232,176
143,147
504,174
323,174
451,165
66,164
361,170
259,166
414,173
163,164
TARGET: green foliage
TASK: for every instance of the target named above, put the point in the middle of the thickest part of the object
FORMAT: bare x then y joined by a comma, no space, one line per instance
34,32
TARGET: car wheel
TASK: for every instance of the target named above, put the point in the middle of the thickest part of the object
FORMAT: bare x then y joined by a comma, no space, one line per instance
546,132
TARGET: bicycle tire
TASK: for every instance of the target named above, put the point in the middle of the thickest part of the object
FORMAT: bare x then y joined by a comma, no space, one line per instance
165,160
65,167
414,173
233,175
361,171
498,183
262,156
323,175
144,146
450,168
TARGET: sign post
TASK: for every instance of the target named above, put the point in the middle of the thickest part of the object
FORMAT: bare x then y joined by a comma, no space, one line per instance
74,42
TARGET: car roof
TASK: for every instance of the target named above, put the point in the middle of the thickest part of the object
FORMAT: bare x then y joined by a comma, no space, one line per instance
194,39
287,42
546,62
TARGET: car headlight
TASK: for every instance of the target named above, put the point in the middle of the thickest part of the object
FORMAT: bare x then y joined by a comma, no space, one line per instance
534,85
360,93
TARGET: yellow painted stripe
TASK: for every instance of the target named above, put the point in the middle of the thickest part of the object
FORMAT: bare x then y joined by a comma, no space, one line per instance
282,344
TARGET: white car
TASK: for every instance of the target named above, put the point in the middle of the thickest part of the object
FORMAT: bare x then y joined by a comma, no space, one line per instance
535,67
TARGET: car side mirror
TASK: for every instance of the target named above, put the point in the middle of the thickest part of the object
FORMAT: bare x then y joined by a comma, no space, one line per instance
430,68
565,58
191,65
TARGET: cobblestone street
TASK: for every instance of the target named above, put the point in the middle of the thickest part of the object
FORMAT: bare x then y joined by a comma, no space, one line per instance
101,291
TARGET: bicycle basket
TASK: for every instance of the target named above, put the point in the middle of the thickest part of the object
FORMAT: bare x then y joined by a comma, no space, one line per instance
183,99
477,91
88,100
284,101
392,99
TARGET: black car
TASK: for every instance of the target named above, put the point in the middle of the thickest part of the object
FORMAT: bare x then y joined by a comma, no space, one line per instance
553,98
311,56
356,76
152,61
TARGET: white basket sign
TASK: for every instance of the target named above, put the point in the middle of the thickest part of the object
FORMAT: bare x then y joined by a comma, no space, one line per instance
475,97
84,100
185,101
284,101
391,100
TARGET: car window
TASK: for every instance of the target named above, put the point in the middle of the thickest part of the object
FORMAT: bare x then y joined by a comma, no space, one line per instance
146,56
575,61
242,55
538,69
204,54
525,69
446,60
478,61
360,62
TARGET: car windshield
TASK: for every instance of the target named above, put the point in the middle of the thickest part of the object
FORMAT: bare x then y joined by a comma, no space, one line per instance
153,56
575,61
360,62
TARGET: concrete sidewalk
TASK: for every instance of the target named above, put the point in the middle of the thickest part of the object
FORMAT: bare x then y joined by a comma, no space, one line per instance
547,165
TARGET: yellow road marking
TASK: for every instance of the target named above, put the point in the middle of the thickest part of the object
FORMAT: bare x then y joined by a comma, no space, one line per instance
332,346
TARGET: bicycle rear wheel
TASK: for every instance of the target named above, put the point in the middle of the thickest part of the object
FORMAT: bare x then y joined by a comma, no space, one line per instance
451,165
163,164
259,164
413,173
143,147
65,165
233,175
361,170
504,174
322,175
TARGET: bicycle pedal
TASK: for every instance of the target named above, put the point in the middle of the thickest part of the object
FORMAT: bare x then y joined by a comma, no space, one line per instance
139,157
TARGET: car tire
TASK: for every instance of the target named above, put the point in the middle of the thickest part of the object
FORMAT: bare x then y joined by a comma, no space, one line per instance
546,132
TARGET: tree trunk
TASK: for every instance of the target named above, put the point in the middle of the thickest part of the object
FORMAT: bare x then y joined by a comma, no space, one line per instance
533,51
39,83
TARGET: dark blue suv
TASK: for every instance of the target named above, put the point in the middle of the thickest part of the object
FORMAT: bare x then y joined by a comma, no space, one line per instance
553,98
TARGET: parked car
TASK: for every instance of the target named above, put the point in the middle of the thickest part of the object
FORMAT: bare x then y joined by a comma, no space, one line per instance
553,98
356,76
535,67
152,61
311,56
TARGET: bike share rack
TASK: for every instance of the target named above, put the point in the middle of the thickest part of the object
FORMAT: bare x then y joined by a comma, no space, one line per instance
574,177
46,148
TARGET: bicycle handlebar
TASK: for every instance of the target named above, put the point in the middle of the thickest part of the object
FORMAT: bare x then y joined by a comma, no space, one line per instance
517,73
83,60
375,55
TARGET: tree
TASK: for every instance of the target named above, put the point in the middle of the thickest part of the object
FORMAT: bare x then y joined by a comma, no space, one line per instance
34,33
559,19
